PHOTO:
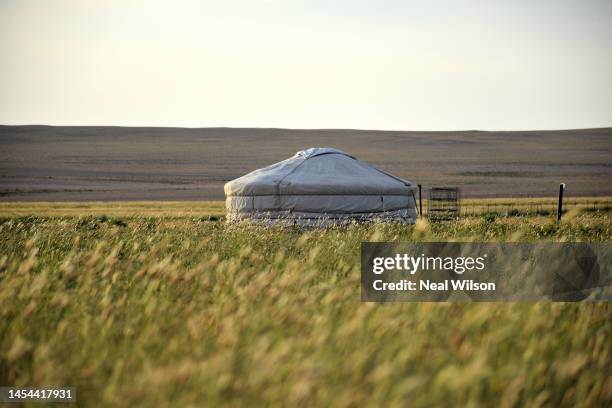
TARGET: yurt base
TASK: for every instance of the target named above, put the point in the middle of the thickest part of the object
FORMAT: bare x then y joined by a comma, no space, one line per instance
404,216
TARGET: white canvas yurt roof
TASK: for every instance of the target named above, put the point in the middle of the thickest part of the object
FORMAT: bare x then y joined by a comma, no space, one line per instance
320,184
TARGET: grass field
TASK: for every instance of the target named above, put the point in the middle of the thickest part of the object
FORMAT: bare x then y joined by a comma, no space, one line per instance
115,209
216,209
160,304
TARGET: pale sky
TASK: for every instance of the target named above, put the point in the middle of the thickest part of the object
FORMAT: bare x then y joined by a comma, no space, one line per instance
402,65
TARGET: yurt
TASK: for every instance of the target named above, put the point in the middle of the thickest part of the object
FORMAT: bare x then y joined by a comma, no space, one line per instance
319,186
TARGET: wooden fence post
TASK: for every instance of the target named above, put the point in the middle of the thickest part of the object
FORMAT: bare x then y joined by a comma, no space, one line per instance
560,206
420,201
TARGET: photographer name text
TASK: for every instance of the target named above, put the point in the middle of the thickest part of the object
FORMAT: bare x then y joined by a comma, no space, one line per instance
425,285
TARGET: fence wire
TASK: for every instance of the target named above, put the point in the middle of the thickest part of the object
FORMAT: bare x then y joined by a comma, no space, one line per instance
527,207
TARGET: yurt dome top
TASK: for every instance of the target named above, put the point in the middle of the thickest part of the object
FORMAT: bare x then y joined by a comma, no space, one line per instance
319,171
318,151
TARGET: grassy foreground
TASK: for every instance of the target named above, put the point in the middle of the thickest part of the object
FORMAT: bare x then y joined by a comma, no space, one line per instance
179,310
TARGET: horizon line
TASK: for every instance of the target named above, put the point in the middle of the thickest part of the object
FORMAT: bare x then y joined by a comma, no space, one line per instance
311,129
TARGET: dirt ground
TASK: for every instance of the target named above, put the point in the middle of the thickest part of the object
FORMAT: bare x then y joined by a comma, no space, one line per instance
43,163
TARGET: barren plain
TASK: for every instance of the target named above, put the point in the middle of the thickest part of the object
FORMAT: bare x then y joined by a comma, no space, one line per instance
47,163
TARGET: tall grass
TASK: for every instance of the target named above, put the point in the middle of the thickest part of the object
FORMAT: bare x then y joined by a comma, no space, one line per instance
180,311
